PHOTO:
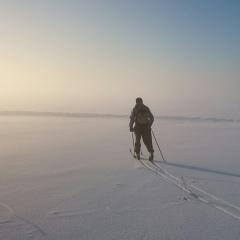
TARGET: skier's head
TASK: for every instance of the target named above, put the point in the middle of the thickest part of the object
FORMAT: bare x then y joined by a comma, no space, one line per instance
139,100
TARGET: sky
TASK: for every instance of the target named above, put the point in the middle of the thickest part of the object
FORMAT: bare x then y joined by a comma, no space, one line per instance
182,57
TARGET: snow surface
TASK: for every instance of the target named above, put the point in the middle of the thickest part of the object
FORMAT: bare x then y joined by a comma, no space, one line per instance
74,178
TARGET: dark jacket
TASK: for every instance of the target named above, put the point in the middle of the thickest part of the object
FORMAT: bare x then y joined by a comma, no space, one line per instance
133,115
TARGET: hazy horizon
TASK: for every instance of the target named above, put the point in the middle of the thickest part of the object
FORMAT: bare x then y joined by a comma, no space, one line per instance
181,57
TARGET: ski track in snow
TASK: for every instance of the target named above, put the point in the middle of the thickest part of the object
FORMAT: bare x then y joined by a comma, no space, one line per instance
36,230
219,204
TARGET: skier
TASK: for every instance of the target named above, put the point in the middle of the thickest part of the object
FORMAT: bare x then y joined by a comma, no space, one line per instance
143,119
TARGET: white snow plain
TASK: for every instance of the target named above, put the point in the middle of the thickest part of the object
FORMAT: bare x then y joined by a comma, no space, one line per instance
74,178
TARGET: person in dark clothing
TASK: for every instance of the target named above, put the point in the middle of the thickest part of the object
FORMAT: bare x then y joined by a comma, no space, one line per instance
143,119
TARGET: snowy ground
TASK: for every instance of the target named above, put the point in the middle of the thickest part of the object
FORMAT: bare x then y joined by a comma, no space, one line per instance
74,178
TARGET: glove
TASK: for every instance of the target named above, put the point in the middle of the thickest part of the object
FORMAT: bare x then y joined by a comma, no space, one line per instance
131,129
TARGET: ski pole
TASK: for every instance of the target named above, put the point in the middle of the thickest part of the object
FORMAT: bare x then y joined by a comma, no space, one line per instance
133,140
158,146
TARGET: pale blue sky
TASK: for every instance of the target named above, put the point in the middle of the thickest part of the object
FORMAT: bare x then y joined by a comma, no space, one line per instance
182,56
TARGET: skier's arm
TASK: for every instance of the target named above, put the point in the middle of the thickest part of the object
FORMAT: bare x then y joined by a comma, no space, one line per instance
151,117
132,118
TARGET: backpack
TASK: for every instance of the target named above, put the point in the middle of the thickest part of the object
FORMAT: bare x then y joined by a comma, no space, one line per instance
142,117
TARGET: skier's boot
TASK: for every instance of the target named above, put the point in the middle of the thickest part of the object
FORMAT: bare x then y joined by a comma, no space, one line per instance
137,156
151,157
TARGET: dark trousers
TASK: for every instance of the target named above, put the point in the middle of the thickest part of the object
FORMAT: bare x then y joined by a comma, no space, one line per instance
144,132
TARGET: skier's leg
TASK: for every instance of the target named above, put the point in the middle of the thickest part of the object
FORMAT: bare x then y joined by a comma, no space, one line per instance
138,140
147,139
